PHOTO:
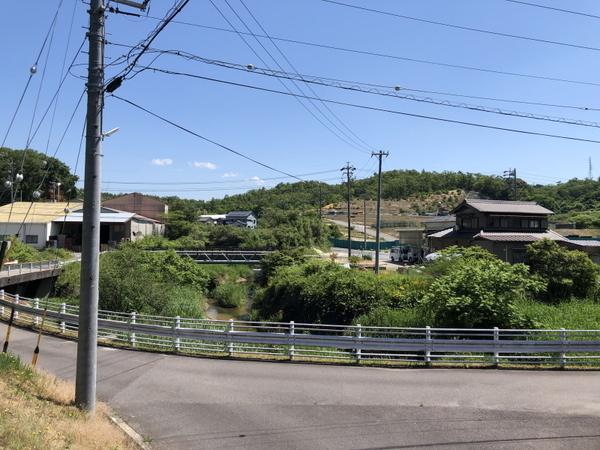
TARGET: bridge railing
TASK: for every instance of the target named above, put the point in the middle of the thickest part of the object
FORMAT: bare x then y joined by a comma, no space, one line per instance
18,269
301,341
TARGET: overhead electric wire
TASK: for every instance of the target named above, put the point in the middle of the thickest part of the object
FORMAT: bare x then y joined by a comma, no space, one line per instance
354,86
31,73
192,57
553,8
343,136
193,133
389,56
62,72
297,73
171,183
145,44
392,111
461,27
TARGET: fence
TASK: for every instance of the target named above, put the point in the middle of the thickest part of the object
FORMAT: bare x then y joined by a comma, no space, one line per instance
360,245
18,269
289,340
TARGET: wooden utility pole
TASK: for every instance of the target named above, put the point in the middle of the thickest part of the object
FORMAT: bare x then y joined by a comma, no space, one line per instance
380,155
348,170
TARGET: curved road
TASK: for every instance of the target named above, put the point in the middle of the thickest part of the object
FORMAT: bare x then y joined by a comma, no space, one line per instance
188,403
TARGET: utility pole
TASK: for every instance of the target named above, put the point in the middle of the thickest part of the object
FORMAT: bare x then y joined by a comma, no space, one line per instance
85,383
87,339
512,173
380,154
348,170
364,224
320,201
590,175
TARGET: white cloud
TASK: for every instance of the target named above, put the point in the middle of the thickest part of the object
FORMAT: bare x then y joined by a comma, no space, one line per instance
229,175
257,180
162,161
204,165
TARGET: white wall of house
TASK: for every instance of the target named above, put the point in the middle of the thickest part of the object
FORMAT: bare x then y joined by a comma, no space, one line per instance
34,234
141,228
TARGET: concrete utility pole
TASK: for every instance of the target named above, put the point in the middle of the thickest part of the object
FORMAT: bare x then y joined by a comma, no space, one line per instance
364,224
348,170
380,154
512,173
85,384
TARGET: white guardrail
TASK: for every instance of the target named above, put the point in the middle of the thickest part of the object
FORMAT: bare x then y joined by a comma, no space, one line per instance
289,340
19,269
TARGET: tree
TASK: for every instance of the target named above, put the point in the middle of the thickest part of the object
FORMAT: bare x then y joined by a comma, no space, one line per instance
38,170
568,273
480,293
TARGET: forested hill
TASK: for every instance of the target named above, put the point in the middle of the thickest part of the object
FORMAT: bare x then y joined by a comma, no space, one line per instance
572,196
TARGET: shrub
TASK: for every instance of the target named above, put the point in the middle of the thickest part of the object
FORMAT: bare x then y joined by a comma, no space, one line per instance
230,295
480,293
160,283
568,273
328,293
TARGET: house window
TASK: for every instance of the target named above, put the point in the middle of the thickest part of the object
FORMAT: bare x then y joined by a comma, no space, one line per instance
504,222
31,239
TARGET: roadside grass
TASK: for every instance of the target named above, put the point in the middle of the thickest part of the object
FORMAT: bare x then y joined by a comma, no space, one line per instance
37,412
576,314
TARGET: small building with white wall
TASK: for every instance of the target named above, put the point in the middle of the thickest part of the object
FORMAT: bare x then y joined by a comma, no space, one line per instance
32,222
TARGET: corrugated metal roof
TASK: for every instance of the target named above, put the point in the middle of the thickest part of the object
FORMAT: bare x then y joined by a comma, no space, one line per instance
113,217
34,212
519,237
504,207
441,234
239,214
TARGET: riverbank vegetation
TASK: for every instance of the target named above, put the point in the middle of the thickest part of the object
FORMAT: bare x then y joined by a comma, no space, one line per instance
467,287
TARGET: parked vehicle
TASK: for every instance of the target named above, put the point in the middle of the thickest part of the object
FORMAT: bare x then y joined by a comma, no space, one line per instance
404,254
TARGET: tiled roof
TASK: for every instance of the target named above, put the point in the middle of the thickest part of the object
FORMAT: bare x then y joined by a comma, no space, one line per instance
519,237
451,233
504,206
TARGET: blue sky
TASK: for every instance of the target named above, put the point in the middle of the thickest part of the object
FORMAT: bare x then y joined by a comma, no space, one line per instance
276,130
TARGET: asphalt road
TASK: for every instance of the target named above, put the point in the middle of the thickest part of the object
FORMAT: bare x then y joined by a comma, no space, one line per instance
189,403
369,231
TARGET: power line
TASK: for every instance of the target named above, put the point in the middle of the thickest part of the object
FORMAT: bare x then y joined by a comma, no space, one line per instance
342,136
297,73
568,11
393,92
391,111
145,44
224,147
394,57
461,27
32,72
182,183
307,78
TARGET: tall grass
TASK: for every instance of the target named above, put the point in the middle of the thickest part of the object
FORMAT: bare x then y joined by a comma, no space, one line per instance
570,314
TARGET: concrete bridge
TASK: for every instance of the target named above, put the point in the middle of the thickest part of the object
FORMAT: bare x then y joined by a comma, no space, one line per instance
33,278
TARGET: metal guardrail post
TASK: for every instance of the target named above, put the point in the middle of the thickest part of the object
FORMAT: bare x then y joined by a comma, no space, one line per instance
16,303
291,348
36,316
563,355
357,349
63,310
230,329
176,339
496,343
428,345
2,298
132,318
31,267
